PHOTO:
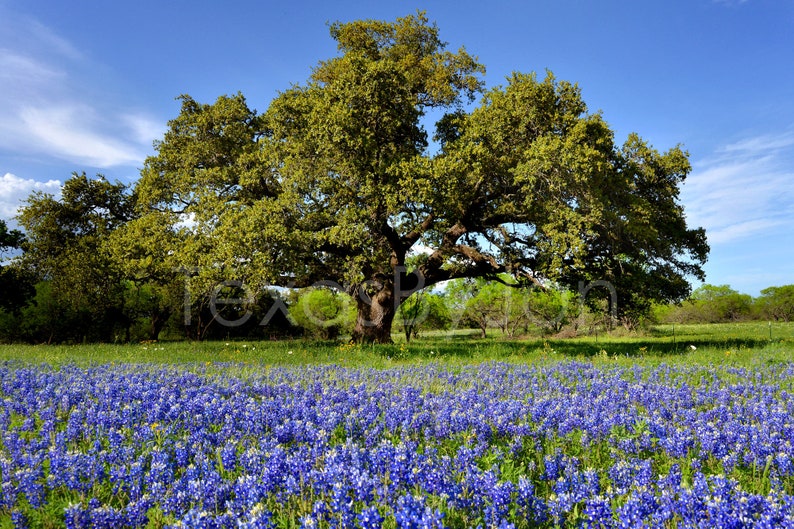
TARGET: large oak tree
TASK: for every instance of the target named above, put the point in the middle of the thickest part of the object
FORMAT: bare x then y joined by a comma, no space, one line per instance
339,180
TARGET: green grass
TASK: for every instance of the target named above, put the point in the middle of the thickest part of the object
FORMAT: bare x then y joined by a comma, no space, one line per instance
746,344
741,344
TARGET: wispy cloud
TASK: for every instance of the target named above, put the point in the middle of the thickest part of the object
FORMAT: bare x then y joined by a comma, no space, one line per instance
23,70
49,107
746,189
15,190
760,145
75,131
50,41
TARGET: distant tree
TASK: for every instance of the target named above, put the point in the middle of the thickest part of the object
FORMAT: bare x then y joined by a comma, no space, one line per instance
66,251
457,293
423,310
482,309
336,182
9,239
512,308
777,303
323,312
720,303
550,308
494,304
16,286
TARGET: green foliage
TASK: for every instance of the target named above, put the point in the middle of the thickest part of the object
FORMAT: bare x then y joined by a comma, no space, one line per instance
712,304
149,308
323,313
9,239
495,305
155,281
777,303
510,307
551,308
423,310
335,182
16,286
722,302
80,288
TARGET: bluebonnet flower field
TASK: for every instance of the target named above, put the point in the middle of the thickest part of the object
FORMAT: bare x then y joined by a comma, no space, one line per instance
432,444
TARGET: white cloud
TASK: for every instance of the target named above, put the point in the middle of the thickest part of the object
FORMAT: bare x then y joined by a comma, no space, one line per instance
142,128
745,190
761,144
741,230
52,107
74,132
21,69
15,190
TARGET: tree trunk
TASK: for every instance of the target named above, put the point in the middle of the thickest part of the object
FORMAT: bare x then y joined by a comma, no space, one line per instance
157,321
483,328
375,315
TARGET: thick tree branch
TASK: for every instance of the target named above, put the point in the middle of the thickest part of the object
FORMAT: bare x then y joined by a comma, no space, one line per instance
476,256
410,238
395,243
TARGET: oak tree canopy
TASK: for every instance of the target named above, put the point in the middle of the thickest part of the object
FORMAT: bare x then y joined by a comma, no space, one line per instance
339,180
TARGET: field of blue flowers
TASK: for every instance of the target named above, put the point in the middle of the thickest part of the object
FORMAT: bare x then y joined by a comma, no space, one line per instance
567,443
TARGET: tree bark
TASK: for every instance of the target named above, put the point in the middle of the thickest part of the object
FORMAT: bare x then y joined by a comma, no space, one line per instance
157,321
376,313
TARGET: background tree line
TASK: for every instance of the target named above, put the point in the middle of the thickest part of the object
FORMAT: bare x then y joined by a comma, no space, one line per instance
722,304
67,278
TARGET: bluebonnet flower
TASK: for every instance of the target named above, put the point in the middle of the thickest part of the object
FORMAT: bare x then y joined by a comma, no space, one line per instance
529,506
412,513
598,513
369,518
257,518
341,506
19,519
77,517
211,449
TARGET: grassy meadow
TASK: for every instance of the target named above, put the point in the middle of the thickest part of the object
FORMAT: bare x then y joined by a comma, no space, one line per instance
731,343
685,426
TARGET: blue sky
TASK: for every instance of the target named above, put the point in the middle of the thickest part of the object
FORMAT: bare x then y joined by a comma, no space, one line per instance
88,85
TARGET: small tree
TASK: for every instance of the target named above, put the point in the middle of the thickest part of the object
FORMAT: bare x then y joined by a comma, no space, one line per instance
711,304
423,310
498,305
550,308
323,312
721,304
777,303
